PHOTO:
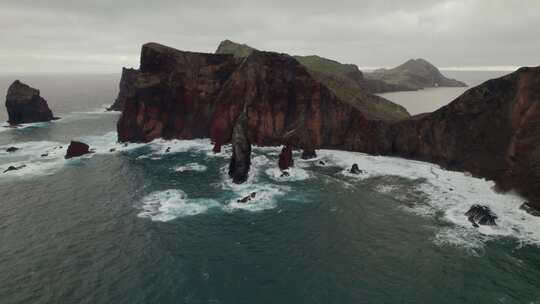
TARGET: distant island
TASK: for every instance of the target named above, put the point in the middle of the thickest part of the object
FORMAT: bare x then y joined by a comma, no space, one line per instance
415,74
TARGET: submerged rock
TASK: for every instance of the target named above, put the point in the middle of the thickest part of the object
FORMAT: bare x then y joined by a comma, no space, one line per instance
241,152
25,105
308,154
77,149
481,215
247,198
285,174
13,168
12,149
286,158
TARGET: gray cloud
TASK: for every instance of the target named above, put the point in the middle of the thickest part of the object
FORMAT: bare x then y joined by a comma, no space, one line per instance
65,36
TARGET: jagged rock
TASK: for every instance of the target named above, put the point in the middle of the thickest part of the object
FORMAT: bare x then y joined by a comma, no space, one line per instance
128,85
25,105
13,168
247,198
77,149
286,158
481,215
285,174
241,152
308,154
12,149
355,170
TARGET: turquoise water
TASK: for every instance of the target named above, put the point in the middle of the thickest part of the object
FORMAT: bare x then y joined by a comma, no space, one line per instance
142,225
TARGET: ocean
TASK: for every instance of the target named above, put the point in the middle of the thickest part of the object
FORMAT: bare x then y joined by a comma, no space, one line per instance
160,222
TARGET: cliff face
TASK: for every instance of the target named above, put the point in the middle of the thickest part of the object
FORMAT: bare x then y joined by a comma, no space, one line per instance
344,80
25,105
492,130
191,95
415,74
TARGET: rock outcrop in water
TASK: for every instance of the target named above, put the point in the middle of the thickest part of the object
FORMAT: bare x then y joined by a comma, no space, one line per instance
492,130
413,75
481,215
241,152
76,149
286,158
25,105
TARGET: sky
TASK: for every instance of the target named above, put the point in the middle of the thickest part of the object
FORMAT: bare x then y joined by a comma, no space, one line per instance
101,36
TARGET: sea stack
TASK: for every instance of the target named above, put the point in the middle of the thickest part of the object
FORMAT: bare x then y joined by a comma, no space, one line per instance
286,158
25,105
77,149
241,152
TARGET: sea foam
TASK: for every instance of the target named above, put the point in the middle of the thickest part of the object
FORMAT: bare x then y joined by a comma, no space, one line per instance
450,193
173,203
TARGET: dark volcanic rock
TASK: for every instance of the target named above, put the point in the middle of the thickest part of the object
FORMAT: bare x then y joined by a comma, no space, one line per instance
14,168
216,148
129,82
25,105
77,149
286,158
308,154
355,170
12,149
248,198
492,130
481,215
241,152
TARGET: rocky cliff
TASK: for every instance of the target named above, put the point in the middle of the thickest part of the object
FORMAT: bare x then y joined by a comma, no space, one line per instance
25,105
344,80
189,95
492,130
415,74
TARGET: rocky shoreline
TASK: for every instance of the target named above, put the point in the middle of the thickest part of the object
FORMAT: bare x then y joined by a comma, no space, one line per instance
490,131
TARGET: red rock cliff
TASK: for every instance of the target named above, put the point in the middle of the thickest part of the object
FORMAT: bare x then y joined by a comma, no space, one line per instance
492,130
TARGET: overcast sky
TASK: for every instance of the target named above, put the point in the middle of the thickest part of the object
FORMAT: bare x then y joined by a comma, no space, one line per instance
93,36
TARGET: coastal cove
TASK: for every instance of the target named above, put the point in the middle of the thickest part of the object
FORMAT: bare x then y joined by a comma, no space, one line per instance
160,221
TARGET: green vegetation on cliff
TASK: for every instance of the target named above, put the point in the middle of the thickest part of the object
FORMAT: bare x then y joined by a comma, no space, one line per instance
346,81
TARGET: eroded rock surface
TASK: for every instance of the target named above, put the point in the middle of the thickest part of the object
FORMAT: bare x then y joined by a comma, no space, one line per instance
76,149
25,105
241,152
492,130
